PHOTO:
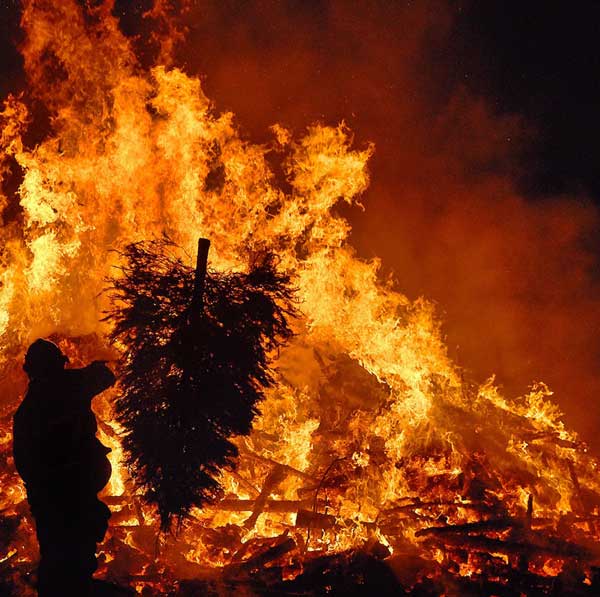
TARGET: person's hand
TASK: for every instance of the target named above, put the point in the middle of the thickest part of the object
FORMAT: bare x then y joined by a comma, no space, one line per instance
99,366
102,369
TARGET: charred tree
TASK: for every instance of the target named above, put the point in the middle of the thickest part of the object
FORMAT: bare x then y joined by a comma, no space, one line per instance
195,365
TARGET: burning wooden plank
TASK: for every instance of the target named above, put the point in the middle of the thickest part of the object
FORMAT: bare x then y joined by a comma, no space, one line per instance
269,505
271,550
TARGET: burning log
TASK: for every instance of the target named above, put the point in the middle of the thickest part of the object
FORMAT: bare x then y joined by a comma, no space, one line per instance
194,366
536,545
289,469
553,437
417,504
282,546
309,519
239,505
498,524
275,477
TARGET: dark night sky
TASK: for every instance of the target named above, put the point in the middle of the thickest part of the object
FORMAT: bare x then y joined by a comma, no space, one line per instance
485,180
541,60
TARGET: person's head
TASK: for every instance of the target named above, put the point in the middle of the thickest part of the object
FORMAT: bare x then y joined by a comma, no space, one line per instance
44,359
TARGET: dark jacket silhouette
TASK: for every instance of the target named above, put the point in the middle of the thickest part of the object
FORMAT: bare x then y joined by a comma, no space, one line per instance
63,466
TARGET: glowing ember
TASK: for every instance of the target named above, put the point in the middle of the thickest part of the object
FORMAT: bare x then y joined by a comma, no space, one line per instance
371,437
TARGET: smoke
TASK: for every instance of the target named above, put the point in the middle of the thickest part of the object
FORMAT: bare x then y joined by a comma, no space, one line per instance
514,276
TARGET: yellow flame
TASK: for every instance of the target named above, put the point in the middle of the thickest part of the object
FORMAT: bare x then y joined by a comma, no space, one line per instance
368,410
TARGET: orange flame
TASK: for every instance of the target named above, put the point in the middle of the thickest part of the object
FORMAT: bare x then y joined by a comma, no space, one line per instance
368,411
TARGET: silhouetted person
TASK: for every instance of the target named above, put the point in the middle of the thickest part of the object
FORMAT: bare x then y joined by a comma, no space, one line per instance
63,465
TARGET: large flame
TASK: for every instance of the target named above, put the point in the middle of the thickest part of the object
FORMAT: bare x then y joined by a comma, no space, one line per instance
368,410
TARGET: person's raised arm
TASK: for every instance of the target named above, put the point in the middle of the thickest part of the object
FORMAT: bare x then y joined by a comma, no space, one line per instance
98,377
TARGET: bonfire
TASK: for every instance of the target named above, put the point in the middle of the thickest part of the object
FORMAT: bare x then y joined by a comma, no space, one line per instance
373,461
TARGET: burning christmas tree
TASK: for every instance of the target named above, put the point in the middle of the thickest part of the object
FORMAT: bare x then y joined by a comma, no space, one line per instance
196,360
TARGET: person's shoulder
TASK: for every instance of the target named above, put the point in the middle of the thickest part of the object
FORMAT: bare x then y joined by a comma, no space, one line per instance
20,412
27,413
25,406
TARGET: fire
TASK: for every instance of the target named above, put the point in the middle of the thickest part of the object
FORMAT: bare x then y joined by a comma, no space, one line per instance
372,434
